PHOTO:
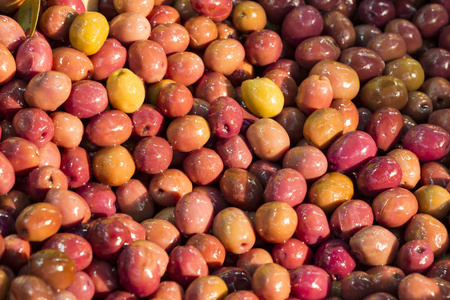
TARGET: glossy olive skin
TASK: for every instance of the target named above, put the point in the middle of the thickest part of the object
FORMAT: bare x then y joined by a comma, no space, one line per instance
28,63
435,62
378,174
384,91
344,227
185,67
430,229
234,152
437,89
407,290
138,270
104,277
388,45
152,155
311,216
394,207
48,90
334,256
344,79
194,214
241,189
415,256
275,221
213,85
430,142
30,287
304,14
169,290
377,13
364,33
338,26
17,252
81,106
38,221
367,63
186,264
302,279
73,208
357,285
419,106
438,269
314,49
147,59
234,229
55,267
386,278
308,160
199,133
12,34
75,164
434,173
111,57
14,202
224,56
315,92
410,165
167,187
99,197
374,245
330,191
73,63
225,117
129,27
385,127
263,47
322,127
12,97
286,185
211,249
107,237
359,143
75,246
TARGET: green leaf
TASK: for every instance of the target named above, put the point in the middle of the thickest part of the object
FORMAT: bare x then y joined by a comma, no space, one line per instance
28,15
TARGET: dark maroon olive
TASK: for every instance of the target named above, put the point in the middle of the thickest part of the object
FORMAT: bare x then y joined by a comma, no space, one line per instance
340,28
357,285
376,12
236,279
367,63
430,18
306,17
436,63
364,33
